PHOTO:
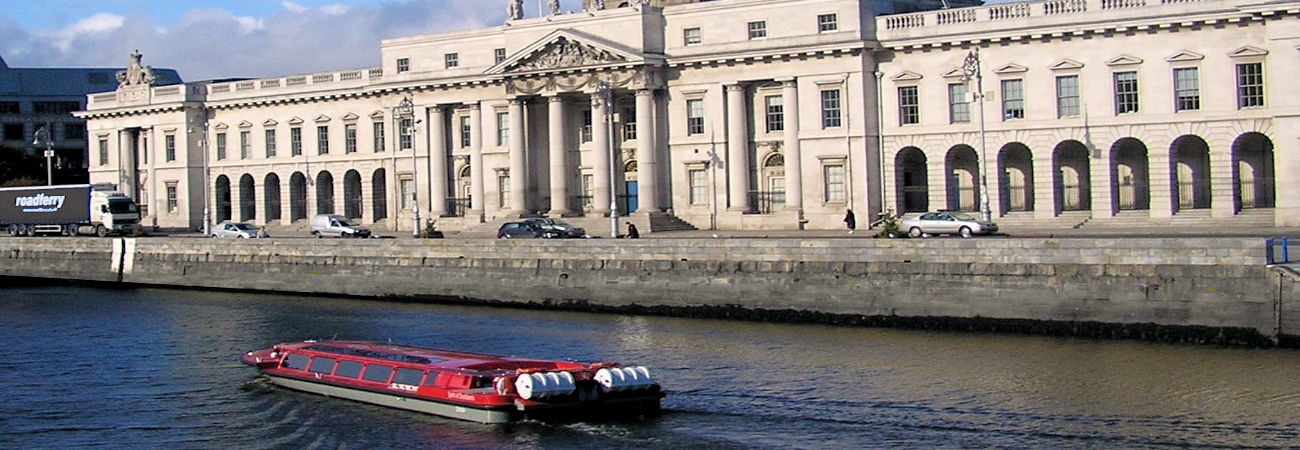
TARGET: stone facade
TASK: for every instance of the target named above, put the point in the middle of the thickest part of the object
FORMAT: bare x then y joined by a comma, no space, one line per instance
744,114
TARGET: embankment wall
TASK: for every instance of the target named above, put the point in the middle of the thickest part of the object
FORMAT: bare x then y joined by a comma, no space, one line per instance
1205,290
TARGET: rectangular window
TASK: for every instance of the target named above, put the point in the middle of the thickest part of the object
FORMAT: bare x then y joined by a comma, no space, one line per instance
503,128
1187,89
958,103
1013,99
451,60
405,133
14,132
692,36
503,190
699,191
350,138
171,196
774,116
465,132
322,140
348,369
1250,85
103,152
245,144
379,137
695,116
499,55
270,143
629,124
830,108
909,107
1126,92
409,377
295,361
588,190
221,146
144,151
169,147
1067,96
74,131
377,373
758,30
834,175
322,365
827,22
295,141
55,107
10,108
403,64
586,126
407,186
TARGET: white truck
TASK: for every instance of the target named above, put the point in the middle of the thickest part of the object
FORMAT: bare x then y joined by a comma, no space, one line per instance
68,210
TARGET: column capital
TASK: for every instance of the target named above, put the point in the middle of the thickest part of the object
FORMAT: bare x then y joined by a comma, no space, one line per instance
474,105
645,92
735,87
515,100
555,99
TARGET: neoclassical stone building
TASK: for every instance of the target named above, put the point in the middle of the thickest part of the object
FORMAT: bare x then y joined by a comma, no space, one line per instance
745,114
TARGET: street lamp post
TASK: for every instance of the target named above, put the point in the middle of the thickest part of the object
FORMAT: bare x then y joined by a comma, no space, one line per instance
607,96
404,111
43,134
971,68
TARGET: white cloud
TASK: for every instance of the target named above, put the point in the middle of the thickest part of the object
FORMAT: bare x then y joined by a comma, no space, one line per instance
293,7
249,24
98,23
335,9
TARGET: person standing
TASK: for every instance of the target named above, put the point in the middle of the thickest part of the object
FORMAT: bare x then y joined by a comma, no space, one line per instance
631,231
850,221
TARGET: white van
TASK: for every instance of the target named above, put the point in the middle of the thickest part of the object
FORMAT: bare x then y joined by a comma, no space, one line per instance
336,226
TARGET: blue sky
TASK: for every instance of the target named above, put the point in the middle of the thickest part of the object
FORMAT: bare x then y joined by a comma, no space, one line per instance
208,39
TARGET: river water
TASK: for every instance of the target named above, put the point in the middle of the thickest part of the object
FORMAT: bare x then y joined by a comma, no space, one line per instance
153,368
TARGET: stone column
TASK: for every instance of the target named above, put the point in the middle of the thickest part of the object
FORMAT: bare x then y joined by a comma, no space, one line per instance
1222,186
600,156
737,149
793,153
479,199
518,171
437,118
559,172
647,166
126,163
1160,179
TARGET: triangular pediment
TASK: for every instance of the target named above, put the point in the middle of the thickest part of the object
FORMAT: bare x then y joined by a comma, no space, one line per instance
270,123
1247,51
1066,64
906,75
1185,56
295,121
566,49
1011,69
245,124
349,117
956,72
377,115
221,126
322,118
1124,60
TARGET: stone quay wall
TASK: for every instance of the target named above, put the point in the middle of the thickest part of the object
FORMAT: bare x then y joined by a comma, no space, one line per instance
1176,289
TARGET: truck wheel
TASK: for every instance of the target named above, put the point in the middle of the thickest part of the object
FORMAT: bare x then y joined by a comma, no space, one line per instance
315,233
101,231
69,230
31,231
13,230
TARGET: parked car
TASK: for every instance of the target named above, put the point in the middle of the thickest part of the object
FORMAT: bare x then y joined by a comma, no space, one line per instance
335,225
564,229
525,230
238,230
945,222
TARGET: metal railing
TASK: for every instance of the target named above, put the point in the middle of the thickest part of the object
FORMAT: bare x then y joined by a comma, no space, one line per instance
456,207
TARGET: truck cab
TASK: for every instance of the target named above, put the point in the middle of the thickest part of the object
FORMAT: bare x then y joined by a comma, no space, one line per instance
112,211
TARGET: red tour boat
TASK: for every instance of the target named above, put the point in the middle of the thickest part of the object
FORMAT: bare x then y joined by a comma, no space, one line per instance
468,386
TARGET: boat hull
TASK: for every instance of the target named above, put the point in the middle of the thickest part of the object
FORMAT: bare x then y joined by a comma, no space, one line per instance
400,402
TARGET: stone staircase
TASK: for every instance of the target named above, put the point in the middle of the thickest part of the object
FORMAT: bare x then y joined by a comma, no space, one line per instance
1189,219
1026,219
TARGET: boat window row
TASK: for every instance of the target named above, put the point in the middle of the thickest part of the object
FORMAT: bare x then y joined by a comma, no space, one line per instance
379,373
373,354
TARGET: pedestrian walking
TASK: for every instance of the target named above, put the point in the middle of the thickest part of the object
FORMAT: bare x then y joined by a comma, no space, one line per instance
850,221
631,231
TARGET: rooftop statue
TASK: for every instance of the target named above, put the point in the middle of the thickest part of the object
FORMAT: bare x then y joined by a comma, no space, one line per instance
135,74
514,10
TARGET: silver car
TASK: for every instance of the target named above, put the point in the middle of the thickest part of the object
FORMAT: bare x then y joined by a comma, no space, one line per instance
237,230
950,222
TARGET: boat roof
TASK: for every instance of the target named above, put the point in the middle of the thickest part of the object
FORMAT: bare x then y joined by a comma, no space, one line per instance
435,358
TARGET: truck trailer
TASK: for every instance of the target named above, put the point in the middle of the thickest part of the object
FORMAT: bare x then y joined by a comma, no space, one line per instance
67,210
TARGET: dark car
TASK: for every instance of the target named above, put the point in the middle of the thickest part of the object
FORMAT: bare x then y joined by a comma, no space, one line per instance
524,230
561,229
